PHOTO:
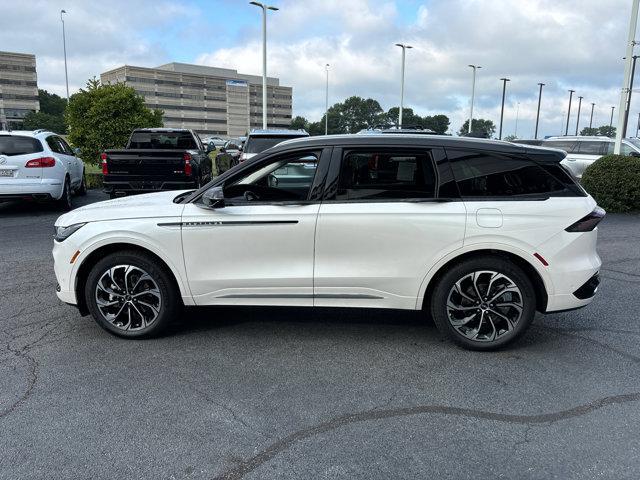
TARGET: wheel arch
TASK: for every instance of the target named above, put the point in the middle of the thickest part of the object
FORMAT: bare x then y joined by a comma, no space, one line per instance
539,285
91,259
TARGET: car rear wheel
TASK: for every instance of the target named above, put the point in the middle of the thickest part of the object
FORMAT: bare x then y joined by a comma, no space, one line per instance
64,202
82,189
131,296
483,303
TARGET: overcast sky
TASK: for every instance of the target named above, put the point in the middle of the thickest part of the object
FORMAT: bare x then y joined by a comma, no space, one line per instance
577,44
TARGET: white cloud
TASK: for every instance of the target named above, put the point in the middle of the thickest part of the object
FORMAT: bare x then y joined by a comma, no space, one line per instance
570,44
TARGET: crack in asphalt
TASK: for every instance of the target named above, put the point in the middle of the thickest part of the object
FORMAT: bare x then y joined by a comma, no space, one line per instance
285,443
31,382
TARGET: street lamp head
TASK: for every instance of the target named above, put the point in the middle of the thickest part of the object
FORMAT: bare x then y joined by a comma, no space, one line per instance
257,4
505,79
63,11
572,91
273,8
542,84
475,66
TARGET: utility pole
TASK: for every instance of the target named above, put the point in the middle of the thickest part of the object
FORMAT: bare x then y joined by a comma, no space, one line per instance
264,58
473,93
638,125
64,48
591,119
633,20
504,91
404,50
566,130
326,103
578,119
611,121
626,112
535,135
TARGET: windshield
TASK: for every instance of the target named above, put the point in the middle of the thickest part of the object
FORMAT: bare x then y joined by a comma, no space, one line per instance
162,140
260,143
14,145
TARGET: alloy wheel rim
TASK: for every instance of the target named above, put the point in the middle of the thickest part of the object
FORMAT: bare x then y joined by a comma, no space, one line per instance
128,297
484,306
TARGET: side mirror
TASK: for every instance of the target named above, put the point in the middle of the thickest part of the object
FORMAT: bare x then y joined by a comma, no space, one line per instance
76,150
210,148
213,198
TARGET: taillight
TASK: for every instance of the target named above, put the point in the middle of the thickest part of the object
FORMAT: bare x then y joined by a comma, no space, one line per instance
588,222
105,167
187,164
44,162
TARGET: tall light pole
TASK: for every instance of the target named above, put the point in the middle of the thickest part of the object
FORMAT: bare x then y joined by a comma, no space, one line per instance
504,91
633,20
535,135
566,130
64,47
515,133
473,94
638,125
611,121
404,48
326,102
626,113
264,58
578,119
591,118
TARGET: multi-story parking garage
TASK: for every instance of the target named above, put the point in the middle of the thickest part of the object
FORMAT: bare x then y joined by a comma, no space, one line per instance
18,88
208,100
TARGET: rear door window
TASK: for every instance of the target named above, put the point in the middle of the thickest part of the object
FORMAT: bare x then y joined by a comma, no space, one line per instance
591,147
11,145
568,146
497,176
391,174
55,145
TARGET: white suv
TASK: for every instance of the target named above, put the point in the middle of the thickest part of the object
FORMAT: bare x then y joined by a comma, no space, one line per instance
582,151
39,165
478,233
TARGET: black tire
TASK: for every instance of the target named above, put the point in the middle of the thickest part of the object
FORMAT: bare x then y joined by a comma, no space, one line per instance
524,299
64,203
168,306
82,189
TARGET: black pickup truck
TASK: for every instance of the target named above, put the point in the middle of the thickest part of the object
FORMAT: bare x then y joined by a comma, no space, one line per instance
156,159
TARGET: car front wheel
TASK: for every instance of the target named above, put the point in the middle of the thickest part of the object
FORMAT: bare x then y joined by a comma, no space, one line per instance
483,303
131,296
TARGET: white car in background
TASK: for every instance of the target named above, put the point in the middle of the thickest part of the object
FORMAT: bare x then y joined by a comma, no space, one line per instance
39,165
582,151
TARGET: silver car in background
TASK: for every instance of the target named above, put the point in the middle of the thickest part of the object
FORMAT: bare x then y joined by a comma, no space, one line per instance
583,151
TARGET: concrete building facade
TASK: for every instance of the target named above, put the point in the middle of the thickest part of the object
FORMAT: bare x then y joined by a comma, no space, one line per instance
209,100
18,88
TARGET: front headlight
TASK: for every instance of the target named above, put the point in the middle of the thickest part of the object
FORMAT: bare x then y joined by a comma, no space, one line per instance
62,233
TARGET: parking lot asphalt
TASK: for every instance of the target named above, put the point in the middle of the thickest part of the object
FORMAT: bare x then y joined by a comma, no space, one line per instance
278,393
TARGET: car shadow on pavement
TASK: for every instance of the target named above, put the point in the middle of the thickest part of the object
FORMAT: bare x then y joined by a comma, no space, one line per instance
200,319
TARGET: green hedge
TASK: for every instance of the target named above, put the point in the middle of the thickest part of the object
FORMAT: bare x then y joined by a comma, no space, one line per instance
94,180
614,181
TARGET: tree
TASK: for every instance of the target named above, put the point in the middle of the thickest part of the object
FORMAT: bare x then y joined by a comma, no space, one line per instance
479,128
299,123
36,120
355,114
51,103
586,131
607,131
102,116
50,116
437,123
510,138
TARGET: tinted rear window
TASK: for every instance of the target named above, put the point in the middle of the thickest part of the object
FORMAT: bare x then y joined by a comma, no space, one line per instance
163,140
14,145
591,147
261,143
488,174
